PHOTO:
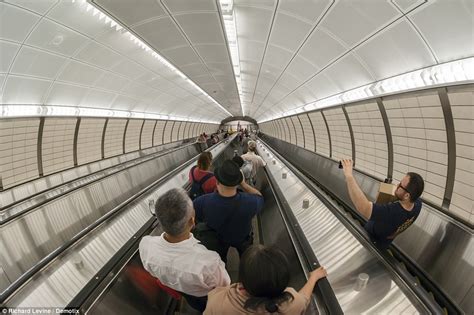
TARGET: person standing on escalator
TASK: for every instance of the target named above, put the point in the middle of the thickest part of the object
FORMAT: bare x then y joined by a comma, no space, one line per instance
386,221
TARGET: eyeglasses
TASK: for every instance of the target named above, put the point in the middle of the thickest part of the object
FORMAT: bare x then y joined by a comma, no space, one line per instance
400,185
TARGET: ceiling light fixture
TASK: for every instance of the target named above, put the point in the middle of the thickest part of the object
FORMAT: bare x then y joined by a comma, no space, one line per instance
449,73
104,17
228,15
15,111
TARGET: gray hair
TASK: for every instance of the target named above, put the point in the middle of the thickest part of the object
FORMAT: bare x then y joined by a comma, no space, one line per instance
173,210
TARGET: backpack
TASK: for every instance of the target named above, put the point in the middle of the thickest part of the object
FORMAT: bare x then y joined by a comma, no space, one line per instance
196,186
247,169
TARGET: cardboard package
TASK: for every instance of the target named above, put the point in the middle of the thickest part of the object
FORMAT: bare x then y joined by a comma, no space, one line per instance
386,193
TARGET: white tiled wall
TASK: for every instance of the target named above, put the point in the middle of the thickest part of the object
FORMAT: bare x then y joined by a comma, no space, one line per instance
147,134
176,131
18,150
114,137
57,144
132,135
340,134
299,131
419,140
272,129
291,128
167,132
89,140
284,130
370,139
462,202
321,133
182,131
308,132
158,136
279,130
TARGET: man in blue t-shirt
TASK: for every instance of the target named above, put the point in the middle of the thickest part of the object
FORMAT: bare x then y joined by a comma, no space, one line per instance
228,211
386,221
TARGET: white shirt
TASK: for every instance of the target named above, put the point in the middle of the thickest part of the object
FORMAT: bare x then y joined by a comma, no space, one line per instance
187,266
256,160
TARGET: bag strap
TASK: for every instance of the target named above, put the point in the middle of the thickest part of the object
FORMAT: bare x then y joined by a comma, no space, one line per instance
205,178
192,172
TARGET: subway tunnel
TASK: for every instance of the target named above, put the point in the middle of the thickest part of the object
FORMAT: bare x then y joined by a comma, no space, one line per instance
103,103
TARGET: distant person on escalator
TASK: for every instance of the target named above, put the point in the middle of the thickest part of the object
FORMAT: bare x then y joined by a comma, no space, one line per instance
386,221
176,258
201,179
264,275
256,160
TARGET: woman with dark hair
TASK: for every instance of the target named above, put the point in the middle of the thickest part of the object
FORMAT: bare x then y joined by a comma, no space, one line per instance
264,275
201,178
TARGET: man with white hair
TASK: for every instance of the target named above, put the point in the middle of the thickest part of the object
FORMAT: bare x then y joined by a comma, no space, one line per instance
176,258
256,160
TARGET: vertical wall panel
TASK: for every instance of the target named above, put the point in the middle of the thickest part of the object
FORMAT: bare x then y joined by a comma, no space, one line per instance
462,202
321,133
159,130
299,131
18,150
340,134
419,140
89,140
132,136
57,146
283,130
291,130
370,139
276,127
176,129
167,138
147,134
182,131
308,132
114,137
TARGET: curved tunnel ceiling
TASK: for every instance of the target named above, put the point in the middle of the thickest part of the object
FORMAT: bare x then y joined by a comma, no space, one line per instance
292,53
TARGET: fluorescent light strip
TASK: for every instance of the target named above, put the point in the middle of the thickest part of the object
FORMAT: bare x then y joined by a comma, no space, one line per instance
16,111
227,10
459,71
114,24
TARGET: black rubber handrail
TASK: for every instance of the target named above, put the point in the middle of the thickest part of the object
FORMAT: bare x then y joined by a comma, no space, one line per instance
322,288
440,299
143,158
25,277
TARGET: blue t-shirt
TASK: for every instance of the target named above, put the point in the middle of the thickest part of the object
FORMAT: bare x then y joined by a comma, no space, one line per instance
231,217
389,220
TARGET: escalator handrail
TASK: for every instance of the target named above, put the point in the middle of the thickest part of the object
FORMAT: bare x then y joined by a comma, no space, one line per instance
25,277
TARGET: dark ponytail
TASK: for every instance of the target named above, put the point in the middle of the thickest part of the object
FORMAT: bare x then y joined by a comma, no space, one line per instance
270,304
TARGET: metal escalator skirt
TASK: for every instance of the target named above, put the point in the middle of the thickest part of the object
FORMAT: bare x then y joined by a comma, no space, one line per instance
57,284
345,258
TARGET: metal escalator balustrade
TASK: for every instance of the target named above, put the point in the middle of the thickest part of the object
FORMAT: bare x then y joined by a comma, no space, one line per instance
348,261
59,277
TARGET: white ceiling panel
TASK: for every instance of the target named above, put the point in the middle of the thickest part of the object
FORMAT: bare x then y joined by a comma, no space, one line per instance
321,48
99,55
112,82
308,10
407,5
8,51
396,50
66,94
2,80
37,6
161,33
201,28
15,23
80,73
129,68
75,16
123,102
119,41
38,63
192,70
322,86
97,98
250,50
24,90
448,27
289,32
348,64
181,55
54,37
177,6
253,23
213,53
220,69
351,21
129,12
277,57
301,68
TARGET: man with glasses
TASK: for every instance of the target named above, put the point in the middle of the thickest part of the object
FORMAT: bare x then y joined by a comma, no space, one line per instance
386,221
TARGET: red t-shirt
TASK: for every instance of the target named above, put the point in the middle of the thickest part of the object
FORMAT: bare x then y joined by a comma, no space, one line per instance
209,185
